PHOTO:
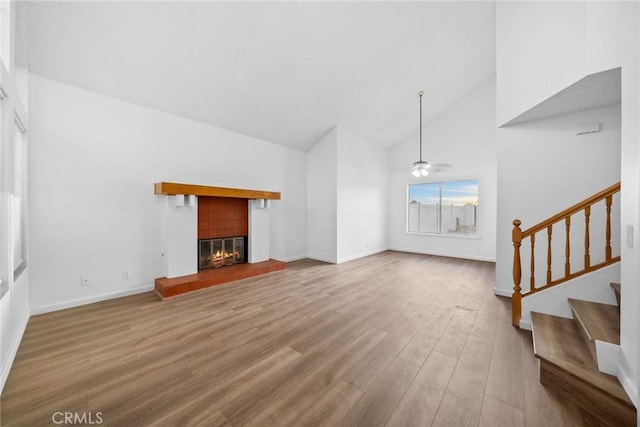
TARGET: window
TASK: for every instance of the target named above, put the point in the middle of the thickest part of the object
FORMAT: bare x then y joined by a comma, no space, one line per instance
5,33
18,200
4,283
444,208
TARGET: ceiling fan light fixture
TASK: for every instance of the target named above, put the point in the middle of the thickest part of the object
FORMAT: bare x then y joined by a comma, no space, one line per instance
420,168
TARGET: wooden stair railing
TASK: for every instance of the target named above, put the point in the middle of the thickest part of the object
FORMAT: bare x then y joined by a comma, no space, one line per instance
518,235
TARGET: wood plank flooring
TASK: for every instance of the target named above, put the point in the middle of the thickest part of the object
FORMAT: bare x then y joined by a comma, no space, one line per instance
392,339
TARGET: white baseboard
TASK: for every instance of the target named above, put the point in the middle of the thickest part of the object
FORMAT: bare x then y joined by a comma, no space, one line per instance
525,325
13,350
90,300
608,357
629,383
323,259
291,259
503,292
448,255
361,255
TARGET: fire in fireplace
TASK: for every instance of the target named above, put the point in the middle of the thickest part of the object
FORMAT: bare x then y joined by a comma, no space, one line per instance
214,253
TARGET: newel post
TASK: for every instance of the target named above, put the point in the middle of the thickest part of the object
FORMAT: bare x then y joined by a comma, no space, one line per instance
516,298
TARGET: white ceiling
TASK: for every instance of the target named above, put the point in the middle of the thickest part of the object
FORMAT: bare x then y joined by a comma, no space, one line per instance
592,91
284,72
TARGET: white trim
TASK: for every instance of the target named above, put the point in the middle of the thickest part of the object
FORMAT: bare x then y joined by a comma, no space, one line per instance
90,300
524,324
13,350
447,255
608,355
628,381
291,259
361,255
323,259
18,122
503,292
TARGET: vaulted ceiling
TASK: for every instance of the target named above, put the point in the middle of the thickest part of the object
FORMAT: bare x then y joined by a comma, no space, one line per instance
285,72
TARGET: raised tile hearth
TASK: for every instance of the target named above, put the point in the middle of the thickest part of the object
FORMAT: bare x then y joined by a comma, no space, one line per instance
167,288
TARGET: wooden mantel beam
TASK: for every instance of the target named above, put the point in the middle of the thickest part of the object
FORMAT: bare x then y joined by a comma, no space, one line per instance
172,188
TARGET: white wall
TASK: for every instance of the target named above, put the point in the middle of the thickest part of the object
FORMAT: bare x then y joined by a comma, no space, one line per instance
555,300
465,136
288,216
543,168
93,211
258,233
543,47
572,40
628,29
322,199
14,314
14,305
361,196
181,233
346,191
540,50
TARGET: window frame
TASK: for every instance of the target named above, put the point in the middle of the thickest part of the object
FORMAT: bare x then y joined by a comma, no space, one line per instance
4,241
19,143
476,236
6,10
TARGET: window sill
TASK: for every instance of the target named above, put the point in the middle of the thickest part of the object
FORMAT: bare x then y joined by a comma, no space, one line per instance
448,236
18,271
4,288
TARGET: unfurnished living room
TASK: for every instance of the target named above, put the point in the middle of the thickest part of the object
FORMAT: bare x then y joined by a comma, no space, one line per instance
259,213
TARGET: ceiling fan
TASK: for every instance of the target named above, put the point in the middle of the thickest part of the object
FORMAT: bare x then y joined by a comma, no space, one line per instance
422,168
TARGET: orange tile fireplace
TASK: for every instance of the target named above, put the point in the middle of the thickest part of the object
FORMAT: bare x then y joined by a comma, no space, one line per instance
230,231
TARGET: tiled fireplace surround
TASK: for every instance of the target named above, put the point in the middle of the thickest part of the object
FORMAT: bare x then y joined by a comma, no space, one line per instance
222,217
212,217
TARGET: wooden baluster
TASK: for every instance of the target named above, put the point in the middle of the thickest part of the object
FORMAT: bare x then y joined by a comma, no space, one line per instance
587,257
567,251
516,298
607,248
532,280
549,231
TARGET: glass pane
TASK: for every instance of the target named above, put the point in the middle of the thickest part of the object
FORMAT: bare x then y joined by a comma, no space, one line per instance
205,254
424,201
239,249
217,253
459,212
229,257
17,201
5,33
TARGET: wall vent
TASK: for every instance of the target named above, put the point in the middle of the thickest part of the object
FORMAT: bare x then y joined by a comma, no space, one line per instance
587,128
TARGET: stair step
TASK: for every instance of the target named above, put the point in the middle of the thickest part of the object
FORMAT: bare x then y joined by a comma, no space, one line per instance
616,289
596,321
567,367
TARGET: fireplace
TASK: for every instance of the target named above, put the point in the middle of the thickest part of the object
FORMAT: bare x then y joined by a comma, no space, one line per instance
197,228
215,253
223,232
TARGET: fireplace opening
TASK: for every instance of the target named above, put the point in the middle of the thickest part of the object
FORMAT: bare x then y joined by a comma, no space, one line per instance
215,253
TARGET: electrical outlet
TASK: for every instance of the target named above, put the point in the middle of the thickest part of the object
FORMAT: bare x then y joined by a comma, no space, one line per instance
85,281
125,276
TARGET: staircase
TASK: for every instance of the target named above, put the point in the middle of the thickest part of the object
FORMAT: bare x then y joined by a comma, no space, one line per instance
579,355
567,223
571,359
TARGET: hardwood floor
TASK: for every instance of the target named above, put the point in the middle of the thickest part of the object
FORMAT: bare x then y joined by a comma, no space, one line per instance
393,339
